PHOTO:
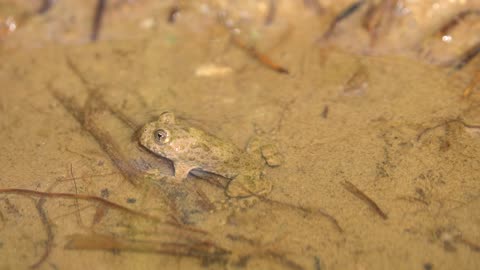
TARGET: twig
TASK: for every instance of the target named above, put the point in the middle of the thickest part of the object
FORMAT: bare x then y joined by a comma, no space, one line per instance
172,14
28,192
199,249
456,120
48,229
305,210
469,89
263,253
315,5
86,117
97,19
102,138
92,198
93,92
467,56
262,58
282,259
317,263
272,11
77,213
377,16
362,196
45,7
341,16
87,176
468,243
325,111
456,19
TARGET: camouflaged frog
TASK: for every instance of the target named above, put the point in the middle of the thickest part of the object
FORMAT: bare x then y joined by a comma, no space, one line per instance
190,149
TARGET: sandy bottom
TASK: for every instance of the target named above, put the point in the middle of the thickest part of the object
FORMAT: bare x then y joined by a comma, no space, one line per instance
380,158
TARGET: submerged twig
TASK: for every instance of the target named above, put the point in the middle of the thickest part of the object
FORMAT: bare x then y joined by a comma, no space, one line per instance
473,246
48,229
456,120
102,201
103,139
87,118
343,15
379,16
362,196
325,111
93,92
28,192
315,5
262,252
97,19
172,14
467,56
45,7
282,259
474,82
305,210
262,58
272,11
206,251
462,15
77,213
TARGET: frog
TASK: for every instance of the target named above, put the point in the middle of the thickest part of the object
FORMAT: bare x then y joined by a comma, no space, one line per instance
191,148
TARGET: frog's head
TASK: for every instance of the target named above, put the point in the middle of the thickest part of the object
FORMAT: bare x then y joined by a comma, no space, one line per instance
164,136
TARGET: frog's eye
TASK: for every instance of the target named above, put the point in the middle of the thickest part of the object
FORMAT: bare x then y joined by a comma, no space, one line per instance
161,136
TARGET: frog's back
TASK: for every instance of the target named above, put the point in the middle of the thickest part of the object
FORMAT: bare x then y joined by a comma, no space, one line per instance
219,156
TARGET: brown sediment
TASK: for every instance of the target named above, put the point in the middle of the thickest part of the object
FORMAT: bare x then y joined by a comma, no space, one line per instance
39,137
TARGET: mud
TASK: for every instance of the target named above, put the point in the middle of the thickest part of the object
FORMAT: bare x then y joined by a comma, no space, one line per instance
381,152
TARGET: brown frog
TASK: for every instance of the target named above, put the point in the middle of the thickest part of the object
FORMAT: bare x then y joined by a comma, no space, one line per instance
190,148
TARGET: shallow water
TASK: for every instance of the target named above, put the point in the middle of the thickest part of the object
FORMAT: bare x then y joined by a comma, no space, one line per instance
380,148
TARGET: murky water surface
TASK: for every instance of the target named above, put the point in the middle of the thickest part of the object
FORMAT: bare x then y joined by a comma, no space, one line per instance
368,114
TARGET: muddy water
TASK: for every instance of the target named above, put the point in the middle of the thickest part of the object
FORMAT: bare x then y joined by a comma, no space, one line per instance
380,154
